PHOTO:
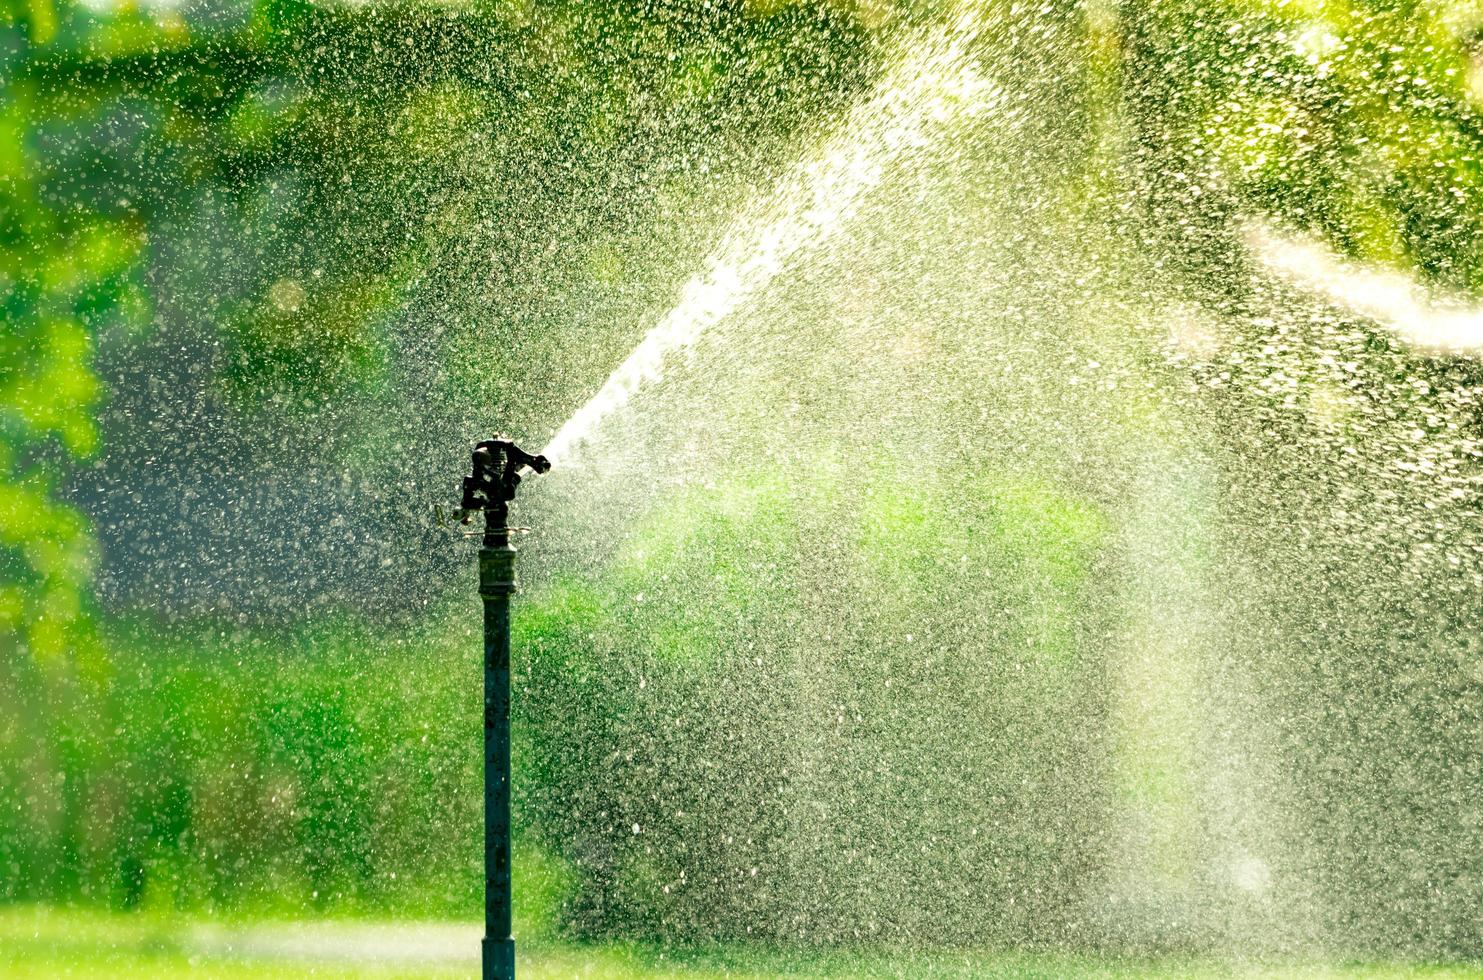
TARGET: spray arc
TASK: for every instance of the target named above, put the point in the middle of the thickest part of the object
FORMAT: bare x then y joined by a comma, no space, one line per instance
490,487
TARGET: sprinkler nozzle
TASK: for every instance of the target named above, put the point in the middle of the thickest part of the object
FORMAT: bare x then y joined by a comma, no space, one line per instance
496,474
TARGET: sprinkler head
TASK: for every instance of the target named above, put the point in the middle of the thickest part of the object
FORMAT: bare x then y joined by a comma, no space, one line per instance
496,474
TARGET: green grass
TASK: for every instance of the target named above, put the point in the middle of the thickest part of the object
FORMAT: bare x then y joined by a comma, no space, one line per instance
49,943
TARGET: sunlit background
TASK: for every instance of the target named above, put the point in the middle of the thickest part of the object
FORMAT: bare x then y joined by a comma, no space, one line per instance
1016,507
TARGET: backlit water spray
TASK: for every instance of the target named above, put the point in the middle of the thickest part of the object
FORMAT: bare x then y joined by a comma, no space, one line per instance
1426,318
1061,659
933,84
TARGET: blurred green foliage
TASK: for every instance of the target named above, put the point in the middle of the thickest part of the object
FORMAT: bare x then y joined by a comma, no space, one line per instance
231,772
329,768
337,145
1358,121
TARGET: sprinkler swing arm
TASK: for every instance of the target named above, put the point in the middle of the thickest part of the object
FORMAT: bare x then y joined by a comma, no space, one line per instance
491,487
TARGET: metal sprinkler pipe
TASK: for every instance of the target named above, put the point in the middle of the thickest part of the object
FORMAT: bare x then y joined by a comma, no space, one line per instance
491,488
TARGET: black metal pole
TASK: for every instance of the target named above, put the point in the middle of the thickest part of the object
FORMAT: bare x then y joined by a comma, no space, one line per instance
491,487
496,585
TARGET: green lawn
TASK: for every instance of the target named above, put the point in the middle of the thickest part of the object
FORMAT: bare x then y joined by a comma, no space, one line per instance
46,943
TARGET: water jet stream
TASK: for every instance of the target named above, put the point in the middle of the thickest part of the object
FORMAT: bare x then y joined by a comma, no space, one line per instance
934,83
1395,300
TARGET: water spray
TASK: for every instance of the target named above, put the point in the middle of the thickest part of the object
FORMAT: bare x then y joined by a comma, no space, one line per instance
490,487
935,82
